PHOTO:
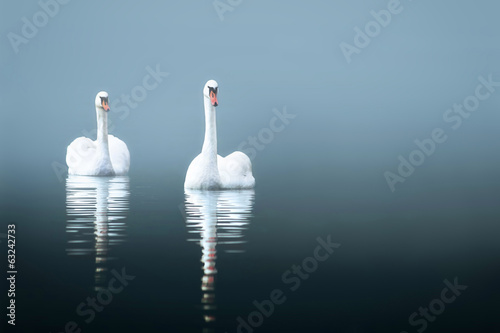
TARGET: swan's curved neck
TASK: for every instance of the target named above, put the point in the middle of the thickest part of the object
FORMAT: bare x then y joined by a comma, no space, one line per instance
210,144
102,134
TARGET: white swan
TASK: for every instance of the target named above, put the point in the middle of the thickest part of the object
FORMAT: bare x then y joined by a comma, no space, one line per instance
107,156
209,171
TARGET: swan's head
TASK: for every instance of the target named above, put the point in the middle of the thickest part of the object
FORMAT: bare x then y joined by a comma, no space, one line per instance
101,101
210,91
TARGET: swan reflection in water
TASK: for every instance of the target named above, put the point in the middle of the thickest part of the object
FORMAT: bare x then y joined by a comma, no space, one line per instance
216,218
96,207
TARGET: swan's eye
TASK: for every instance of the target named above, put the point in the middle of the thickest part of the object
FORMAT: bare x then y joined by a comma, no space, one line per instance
213,96
104,103
213,91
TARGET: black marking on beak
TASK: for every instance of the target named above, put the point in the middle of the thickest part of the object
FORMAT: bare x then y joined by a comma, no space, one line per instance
104,102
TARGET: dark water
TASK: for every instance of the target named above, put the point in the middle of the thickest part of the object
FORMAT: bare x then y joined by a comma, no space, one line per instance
197,261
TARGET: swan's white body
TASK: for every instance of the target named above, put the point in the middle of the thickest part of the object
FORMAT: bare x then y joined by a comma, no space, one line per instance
209,171
106,156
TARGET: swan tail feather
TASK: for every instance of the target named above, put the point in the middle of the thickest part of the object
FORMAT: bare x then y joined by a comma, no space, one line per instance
236,170
119,154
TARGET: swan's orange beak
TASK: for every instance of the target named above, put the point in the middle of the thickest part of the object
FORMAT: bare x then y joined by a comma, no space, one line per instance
105,105
213,98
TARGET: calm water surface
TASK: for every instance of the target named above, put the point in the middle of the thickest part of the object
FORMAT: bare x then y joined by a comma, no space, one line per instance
198,261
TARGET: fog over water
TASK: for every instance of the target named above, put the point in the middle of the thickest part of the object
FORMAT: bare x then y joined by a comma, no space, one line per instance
377,123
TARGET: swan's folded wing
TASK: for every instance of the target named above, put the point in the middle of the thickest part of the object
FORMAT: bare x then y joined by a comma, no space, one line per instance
236,170
236,163
79,152
120,156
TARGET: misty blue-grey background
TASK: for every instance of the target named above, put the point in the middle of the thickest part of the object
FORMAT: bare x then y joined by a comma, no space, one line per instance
264,56
323,173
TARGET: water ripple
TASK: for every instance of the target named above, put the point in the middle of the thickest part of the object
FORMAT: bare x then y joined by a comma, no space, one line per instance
216,218
96,209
